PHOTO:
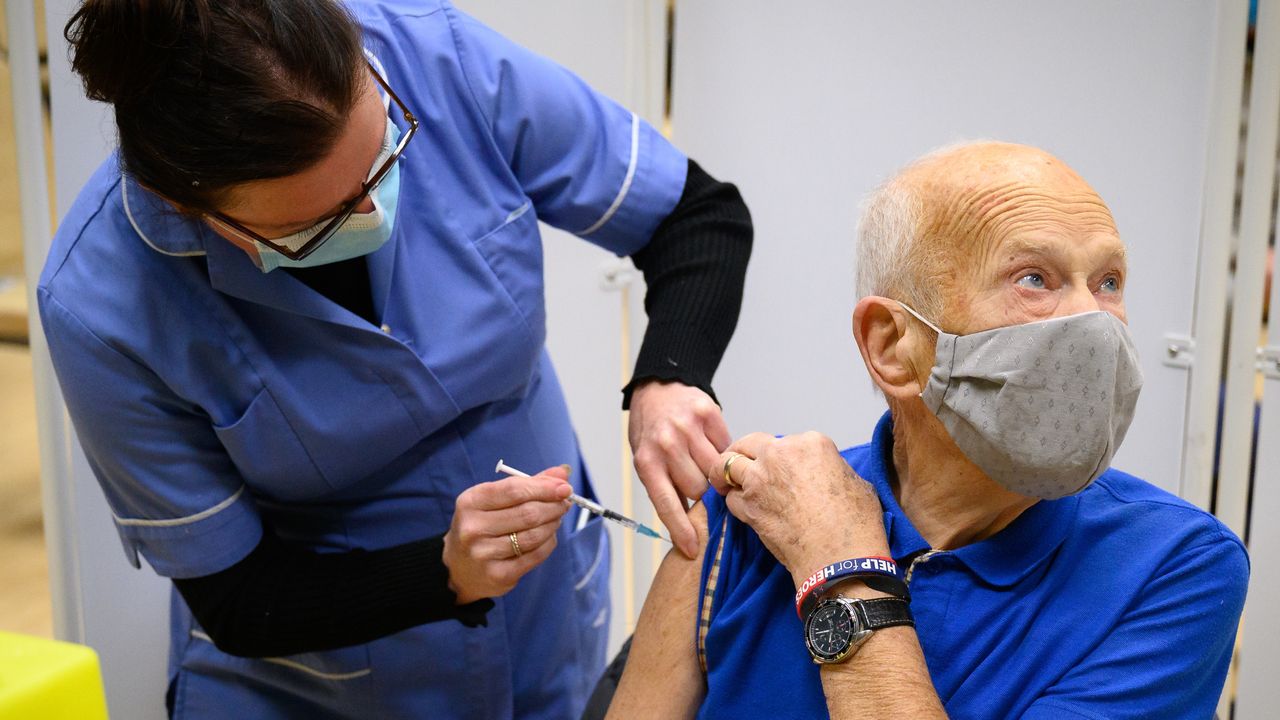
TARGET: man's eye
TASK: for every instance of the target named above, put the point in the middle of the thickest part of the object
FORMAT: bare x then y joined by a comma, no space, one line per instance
1034,281
1110,285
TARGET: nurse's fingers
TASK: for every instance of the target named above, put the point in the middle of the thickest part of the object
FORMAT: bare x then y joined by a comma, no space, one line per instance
497,523
547,486
687,477
527,539
481,567
717,431
509,572
707,458
672,512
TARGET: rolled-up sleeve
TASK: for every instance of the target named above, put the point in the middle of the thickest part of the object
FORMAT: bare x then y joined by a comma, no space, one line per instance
175,496
590,166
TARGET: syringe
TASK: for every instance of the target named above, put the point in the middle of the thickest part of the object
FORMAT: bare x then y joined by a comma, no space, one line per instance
594,507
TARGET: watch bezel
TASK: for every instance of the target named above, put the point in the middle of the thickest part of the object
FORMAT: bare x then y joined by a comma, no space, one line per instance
856,618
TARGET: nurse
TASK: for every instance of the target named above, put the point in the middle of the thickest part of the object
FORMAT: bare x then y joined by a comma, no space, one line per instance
299,315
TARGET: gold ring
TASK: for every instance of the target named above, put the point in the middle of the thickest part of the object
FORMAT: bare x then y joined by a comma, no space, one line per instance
728,479
515,544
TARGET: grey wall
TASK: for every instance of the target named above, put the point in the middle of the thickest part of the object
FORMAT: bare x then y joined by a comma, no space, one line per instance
811,108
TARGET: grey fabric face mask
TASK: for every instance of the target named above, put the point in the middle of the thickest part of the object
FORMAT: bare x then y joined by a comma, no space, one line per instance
1041,408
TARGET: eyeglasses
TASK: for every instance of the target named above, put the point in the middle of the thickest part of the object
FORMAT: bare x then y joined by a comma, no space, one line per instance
350,207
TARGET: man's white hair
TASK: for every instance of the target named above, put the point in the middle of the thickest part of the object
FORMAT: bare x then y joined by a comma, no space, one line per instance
892,258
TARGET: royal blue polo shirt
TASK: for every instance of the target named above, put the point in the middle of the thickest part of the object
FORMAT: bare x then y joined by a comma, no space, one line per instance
1119,602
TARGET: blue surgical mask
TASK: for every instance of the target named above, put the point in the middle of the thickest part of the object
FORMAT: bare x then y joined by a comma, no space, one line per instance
361,234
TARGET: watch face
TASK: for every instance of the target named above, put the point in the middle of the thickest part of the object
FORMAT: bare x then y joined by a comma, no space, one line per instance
830,631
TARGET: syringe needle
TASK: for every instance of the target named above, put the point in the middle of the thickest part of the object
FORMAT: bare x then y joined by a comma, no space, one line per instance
593,507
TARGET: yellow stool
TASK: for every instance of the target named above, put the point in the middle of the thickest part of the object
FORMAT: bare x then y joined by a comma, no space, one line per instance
49,680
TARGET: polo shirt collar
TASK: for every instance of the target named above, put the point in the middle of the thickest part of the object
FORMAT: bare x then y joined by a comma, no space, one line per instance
1001,560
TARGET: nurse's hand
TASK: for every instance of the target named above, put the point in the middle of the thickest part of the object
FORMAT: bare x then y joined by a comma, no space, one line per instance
677,434
478,549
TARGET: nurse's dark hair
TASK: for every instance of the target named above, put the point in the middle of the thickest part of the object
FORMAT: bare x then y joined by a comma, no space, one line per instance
209,94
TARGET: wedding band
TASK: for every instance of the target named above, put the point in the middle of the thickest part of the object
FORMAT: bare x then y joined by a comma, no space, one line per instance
515,544
728,479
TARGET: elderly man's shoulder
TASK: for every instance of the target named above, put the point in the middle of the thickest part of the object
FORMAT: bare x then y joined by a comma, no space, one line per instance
1124,514
1125,517
1117,493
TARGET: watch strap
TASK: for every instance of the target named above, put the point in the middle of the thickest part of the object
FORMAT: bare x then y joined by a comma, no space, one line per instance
880,613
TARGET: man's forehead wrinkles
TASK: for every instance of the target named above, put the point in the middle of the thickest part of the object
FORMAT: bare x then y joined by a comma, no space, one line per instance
957,208
987,215
1066,217
984,242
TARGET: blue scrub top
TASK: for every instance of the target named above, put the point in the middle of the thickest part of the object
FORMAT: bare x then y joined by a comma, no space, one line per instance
211,399
1119,602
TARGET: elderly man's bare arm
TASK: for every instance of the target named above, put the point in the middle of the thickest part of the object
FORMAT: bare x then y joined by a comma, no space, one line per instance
662,678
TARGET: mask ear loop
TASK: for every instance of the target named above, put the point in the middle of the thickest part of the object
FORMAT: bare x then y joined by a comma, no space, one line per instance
920,317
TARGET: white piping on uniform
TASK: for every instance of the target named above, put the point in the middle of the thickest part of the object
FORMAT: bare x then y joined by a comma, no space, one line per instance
297,665
594,564
312,671
182,520
626,184
124,193
515,214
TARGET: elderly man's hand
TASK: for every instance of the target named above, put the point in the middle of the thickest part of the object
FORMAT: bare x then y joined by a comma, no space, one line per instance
676,433
803,500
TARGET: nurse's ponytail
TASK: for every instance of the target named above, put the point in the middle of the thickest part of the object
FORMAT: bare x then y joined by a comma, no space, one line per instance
209,94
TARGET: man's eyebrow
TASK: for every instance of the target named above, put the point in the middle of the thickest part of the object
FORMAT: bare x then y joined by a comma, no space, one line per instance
1020,248
1030,246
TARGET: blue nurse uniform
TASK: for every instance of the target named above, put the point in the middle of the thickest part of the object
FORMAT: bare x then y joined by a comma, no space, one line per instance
212,399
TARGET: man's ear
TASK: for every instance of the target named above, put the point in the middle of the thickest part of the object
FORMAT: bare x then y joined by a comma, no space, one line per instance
888,342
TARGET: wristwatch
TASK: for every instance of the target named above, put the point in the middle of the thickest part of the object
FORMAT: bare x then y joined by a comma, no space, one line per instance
835,629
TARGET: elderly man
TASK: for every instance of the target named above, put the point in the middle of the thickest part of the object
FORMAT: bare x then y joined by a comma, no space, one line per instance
977,558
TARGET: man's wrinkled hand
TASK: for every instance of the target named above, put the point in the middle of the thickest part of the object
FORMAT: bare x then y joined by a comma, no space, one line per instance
803,500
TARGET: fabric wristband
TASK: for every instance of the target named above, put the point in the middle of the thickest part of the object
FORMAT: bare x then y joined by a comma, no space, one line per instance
879,573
